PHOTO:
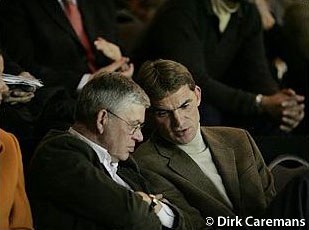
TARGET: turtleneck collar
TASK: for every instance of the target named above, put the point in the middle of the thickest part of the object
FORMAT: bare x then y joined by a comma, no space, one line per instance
197,145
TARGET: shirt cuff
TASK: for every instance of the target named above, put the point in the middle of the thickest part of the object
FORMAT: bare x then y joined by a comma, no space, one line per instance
166,216
83,81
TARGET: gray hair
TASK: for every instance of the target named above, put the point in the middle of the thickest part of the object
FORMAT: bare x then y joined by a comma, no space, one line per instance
110,91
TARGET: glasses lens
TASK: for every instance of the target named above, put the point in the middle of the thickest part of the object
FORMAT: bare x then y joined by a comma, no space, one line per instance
136,128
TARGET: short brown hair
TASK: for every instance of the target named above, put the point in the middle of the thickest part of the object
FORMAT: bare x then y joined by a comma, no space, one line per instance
160,78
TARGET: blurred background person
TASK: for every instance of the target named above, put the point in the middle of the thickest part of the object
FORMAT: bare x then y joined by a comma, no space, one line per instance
56,42
221,43
287,44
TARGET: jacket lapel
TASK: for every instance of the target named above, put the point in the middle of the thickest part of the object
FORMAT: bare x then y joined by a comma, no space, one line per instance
184,166
130,173
224,159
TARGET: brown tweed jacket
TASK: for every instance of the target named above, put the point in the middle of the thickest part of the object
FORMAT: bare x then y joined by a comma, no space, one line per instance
248,182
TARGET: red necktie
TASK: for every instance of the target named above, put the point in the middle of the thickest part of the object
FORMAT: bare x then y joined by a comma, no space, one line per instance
74,16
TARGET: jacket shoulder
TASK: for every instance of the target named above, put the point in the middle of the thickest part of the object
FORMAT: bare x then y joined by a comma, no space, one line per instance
145,149
223,131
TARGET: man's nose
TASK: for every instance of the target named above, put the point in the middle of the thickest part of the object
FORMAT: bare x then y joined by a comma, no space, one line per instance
177,118
138,135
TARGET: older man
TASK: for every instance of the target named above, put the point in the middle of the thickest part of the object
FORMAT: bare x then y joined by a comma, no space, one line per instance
84,178
218,170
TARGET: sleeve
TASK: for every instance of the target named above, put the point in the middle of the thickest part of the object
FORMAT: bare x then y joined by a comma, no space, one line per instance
21,213
10,66
186,217
15,210
266,176
63,173
251,58
166,216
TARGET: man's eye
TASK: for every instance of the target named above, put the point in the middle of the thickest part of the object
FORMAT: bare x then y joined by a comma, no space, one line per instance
161,113
185,106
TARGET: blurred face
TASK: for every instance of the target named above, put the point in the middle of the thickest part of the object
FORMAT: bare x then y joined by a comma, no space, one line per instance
3,87
176,116
123,130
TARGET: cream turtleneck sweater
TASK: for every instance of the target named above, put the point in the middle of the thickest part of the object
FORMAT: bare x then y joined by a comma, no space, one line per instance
200,153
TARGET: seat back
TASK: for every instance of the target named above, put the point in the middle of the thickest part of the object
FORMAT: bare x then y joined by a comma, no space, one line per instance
285,167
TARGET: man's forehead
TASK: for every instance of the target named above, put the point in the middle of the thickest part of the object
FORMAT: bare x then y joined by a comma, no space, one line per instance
175,99
134,112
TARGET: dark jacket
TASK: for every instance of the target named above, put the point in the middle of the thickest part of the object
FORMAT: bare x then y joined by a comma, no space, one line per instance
39,37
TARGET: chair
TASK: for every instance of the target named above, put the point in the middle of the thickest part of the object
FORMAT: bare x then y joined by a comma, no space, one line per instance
285,167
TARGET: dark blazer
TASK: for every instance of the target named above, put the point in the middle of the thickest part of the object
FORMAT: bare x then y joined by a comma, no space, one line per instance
39,37
247,180
70,189
230,67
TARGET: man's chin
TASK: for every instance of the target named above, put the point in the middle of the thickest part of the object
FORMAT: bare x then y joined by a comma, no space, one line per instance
181,140
131,150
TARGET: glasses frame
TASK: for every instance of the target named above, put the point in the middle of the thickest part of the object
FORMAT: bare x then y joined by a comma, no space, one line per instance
134,127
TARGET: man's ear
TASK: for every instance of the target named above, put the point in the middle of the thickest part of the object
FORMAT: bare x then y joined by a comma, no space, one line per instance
198,94
101,120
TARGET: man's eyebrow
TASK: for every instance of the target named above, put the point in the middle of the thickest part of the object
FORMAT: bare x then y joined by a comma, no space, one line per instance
137,122
187,101
158,109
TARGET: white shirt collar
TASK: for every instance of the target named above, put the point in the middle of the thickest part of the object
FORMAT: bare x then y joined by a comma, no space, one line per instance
101,152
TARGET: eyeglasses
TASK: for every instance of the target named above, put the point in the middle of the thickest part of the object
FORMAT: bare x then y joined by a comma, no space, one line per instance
134,127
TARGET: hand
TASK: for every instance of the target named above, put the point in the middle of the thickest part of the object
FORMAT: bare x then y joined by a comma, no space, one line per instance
18,96
109,49
280,66
267,19
127,70
121,65
148,199
293,112
27,75
286,107
292,116
4,89
144,196
158,206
